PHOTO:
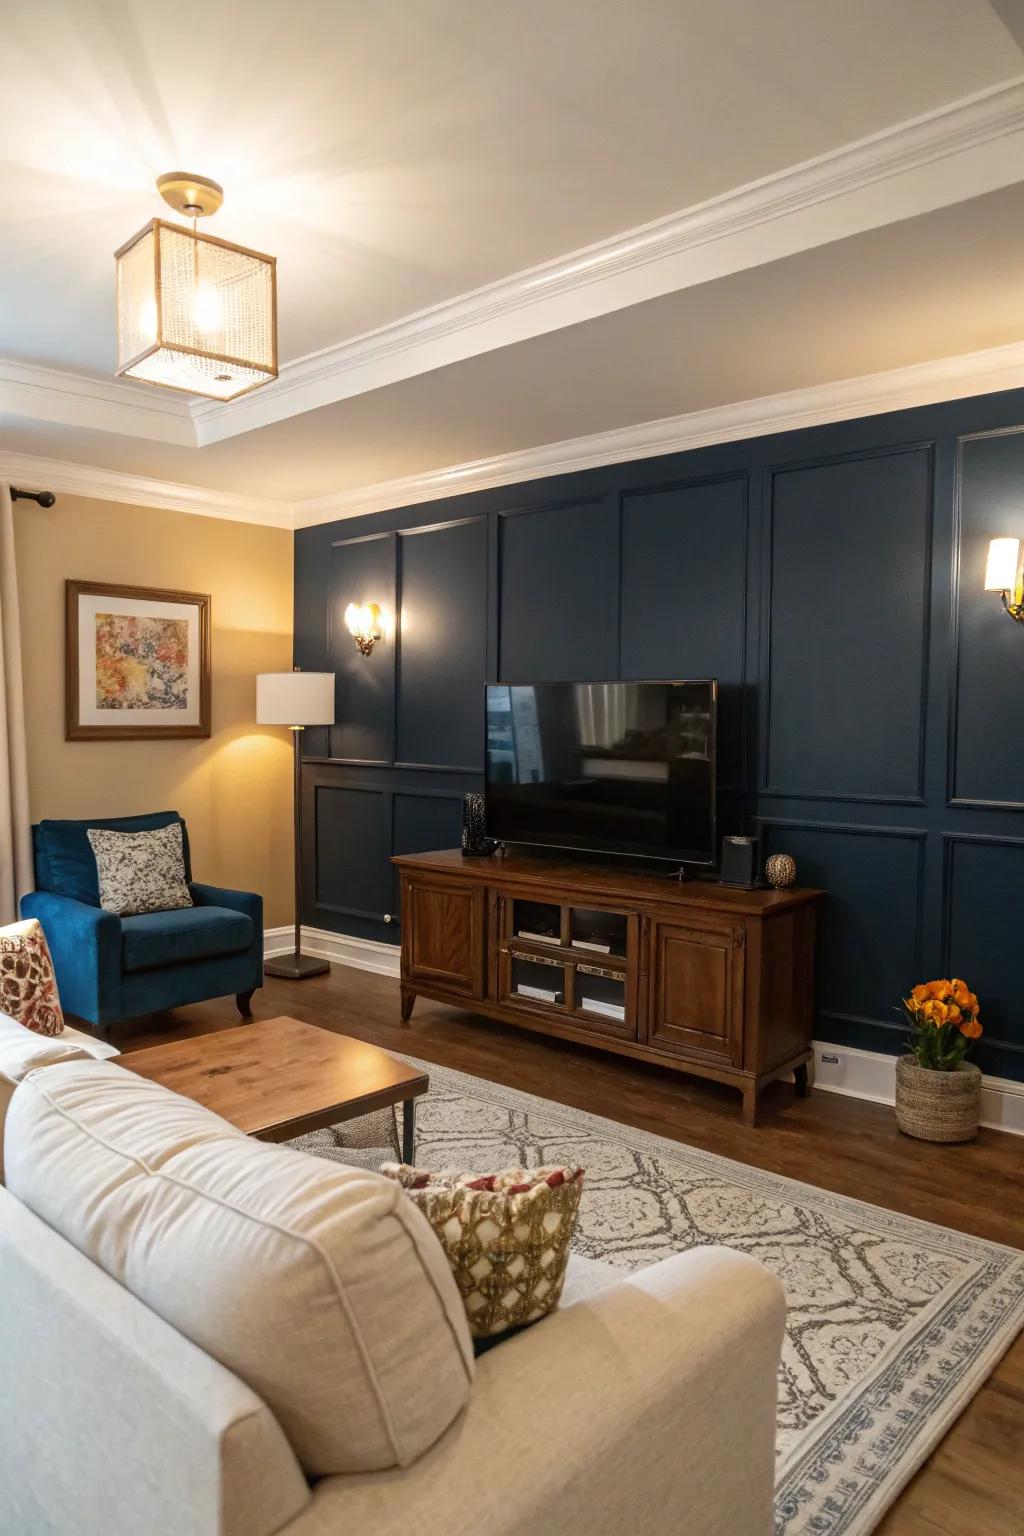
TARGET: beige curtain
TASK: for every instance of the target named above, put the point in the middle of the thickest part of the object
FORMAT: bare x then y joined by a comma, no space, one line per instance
15,825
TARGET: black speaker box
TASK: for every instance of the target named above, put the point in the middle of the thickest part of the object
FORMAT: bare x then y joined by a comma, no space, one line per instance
740,862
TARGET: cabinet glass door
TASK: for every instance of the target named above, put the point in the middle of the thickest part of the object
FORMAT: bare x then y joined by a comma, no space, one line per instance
605,933
532,979
601,993
538,922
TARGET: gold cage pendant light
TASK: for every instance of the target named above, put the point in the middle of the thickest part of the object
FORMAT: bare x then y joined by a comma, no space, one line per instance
195,313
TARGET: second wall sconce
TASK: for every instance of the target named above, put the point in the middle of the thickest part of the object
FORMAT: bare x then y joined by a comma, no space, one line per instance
1003,575
363,622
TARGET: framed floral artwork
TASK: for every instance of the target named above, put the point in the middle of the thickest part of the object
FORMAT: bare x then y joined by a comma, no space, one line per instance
137,663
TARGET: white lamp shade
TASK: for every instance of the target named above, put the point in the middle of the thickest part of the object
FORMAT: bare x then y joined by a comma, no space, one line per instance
295,698
1003,565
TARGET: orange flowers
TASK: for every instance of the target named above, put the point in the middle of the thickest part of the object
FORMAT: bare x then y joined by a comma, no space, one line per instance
945,1016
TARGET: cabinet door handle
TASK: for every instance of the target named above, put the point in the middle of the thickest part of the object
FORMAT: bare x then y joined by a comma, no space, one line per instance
739,938
645,945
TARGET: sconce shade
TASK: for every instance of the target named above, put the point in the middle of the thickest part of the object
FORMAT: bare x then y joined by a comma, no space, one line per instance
1001,572
295,698
363,622
195,313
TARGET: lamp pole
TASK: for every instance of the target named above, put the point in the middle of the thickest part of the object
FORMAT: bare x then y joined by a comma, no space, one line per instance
296,699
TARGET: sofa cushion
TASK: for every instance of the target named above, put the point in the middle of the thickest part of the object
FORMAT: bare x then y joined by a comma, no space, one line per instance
322,1287
21,1051
191,933
65,863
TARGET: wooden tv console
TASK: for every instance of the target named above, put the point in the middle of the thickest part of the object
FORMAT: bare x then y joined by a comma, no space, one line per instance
694,975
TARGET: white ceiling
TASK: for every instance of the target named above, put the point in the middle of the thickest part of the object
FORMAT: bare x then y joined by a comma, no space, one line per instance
397,157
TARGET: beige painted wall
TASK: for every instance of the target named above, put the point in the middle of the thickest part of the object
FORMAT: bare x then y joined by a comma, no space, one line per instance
234,789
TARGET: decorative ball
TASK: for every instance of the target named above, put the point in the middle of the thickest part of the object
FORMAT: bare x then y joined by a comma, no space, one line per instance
780,870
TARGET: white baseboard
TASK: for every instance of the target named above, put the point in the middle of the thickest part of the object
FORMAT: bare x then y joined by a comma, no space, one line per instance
342,948
858,1074
872,1075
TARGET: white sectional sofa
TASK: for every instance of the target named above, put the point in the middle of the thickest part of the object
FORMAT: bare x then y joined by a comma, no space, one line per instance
203,1335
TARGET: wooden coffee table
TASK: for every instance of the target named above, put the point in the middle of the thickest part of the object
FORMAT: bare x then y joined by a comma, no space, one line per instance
281,1078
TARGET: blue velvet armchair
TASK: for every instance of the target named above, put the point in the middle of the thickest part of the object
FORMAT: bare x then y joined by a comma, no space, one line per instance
111,968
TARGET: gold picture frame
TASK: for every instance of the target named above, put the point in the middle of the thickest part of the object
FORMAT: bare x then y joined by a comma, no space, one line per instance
133,652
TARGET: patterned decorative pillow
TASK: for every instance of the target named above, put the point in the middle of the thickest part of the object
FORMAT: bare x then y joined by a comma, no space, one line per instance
140,871
506,1236
28,987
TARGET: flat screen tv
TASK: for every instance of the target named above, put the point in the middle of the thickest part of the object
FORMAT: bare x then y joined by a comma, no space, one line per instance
605,768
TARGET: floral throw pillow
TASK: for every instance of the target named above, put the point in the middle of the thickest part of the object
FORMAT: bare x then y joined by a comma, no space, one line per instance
140,871
506,1236
28,987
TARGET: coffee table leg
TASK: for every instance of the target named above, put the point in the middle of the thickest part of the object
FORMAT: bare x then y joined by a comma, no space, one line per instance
408,1130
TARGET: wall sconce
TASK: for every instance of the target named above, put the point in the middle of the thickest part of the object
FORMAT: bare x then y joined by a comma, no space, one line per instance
1003,575
362,620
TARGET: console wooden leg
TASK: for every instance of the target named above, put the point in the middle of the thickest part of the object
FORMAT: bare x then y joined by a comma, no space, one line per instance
803,1087
408,999
750,1106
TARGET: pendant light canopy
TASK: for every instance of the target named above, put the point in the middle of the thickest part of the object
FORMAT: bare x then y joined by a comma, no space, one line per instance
193,312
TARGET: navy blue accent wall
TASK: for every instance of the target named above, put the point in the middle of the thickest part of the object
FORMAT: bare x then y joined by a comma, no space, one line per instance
872,695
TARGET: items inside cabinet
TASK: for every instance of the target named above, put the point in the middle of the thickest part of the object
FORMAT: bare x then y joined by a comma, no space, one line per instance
601,992
602,932
537,980
539,921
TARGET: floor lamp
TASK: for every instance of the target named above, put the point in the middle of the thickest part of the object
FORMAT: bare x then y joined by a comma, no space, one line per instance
296,699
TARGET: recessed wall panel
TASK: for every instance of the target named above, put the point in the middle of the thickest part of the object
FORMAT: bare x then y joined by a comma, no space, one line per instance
684,570
984,916
553,594
988,703
849,576
869,933
442,659
352,873
362,571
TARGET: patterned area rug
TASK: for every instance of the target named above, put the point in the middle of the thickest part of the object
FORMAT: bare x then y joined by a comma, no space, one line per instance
893,1323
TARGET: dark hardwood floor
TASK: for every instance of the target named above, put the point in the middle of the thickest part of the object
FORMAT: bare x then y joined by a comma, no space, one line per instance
973,1484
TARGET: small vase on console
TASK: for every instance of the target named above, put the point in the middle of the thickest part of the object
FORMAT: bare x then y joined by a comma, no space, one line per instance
475,841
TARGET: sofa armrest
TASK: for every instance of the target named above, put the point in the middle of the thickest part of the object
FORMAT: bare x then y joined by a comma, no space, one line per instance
249,902
650,1407
85,943
114,1424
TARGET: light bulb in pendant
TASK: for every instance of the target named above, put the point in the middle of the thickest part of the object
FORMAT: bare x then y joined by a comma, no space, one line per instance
206,310
147,320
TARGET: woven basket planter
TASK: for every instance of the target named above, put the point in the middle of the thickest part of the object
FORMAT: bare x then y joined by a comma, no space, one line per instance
938,1106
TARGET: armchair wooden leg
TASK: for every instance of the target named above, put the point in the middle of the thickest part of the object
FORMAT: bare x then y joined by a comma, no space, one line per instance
243,1001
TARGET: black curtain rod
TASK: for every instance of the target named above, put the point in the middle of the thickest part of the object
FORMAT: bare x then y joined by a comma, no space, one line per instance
44,498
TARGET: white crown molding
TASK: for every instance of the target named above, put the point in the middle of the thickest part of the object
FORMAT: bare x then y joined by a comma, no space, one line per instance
948,378
956,152
959,151
35,473
103,405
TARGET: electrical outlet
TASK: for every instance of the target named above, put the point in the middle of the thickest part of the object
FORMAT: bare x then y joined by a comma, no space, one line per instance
828,1060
